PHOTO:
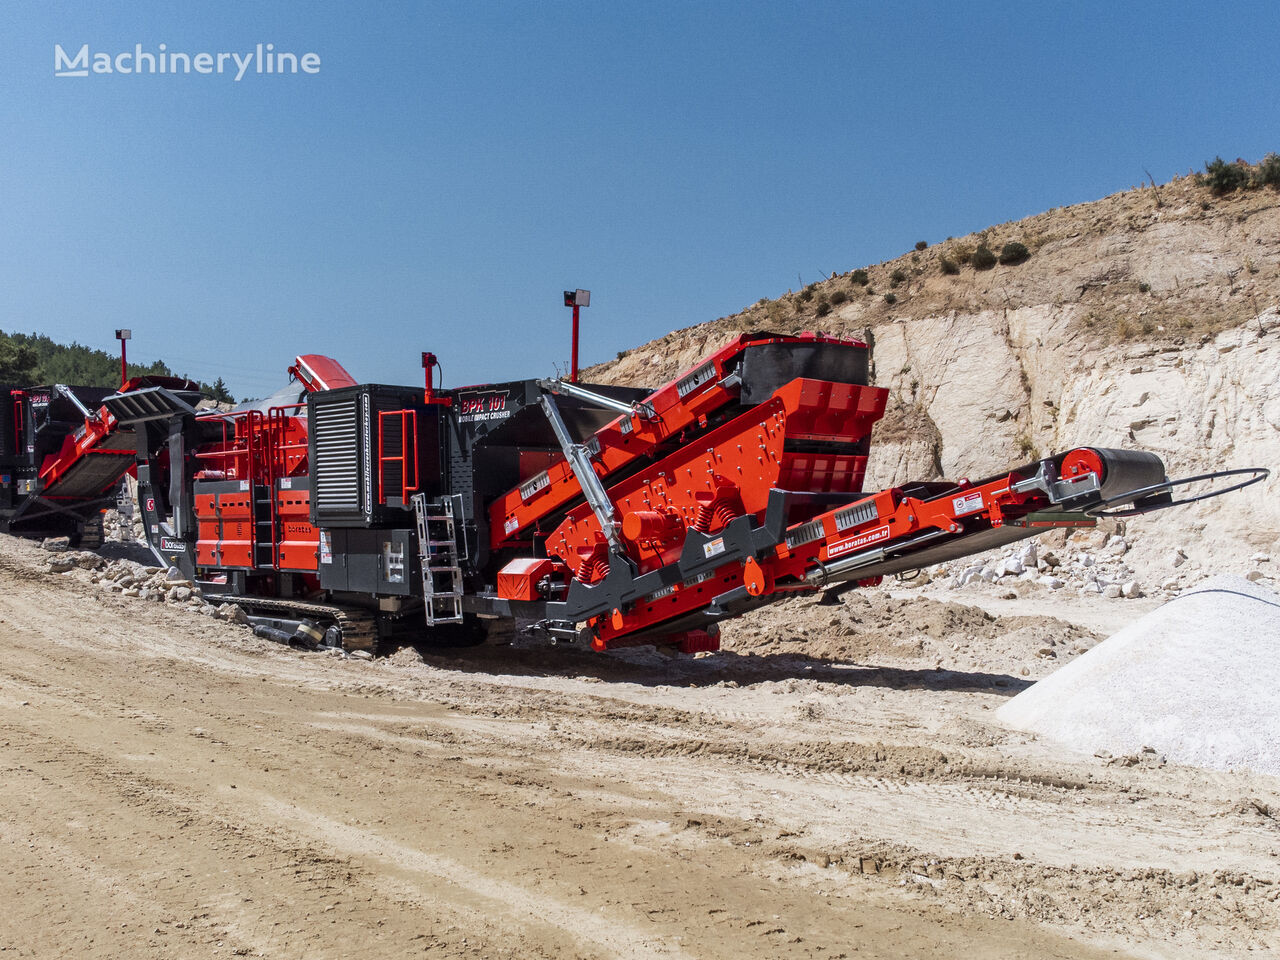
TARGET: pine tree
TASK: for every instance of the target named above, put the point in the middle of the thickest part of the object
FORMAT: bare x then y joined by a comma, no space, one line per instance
220,392
17,363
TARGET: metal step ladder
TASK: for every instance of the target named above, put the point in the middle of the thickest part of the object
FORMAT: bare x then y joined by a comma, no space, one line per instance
264,526
438,550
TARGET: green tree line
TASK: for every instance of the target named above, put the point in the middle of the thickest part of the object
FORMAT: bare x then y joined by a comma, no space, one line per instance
29,359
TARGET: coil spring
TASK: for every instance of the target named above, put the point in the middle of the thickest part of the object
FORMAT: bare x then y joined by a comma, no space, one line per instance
718,512
594,569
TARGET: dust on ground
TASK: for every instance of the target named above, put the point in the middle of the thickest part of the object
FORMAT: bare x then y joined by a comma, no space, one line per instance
174,786
880,627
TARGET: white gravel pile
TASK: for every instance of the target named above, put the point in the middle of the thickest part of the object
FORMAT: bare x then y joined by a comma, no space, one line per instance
1196,680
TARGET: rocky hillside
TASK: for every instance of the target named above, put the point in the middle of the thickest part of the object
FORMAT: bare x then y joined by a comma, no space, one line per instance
1147,319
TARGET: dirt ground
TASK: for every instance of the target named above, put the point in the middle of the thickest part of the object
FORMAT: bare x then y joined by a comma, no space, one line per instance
174,787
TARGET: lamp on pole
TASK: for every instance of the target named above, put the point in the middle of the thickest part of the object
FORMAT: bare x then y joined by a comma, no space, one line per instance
123,336
576,299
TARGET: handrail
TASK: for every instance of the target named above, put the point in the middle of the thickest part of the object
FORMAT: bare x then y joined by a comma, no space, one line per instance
277,429
404,448
407,437
243,445
18,425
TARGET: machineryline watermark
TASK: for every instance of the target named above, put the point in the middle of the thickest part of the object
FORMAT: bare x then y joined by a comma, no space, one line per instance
263,60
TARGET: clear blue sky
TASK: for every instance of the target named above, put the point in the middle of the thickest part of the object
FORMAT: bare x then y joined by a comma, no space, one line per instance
454,166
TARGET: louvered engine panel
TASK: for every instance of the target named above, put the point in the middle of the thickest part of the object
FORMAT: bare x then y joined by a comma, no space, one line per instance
365,465
335,432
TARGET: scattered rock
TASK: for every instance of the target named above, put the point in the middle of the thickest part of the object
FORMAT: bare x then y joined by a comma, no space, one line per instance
56,544
406,656
360,655
1010,566
232,612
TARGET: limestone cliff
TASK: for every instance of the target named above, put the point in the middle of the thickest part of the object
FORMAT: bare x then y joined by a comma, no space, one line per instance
1146,319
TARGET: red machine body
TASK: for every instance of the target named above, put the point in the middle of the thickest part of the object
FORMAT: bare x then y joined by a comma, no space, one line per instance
265,520
677,471
63,455
603,514
98,438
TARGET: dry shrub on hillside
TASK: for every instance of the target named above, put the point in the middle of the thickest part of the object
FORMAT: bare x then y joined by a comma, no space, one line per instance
983,258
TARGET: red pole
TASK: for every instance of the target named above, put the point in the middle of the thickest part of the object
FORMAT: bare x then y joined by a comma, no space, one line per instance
573,364
123,367
428,362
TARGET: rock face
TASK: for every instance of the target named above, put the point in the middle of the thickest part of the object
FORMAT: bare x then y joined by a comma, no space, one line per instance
1202,407
1137,323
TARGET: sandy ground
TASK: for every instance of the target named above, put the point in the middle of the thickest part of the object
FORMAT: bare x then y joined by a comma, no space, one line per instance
173,787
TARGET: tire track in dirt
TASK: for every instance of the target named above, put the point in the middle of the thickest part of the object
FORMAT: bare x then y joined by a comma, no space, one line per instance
145,726
498,896
290,873
310,799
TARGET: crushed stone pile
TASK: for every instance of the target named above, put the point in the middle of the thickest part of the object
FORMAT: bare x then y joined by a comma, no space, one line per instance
1197,680
129,578
1087,562
122,527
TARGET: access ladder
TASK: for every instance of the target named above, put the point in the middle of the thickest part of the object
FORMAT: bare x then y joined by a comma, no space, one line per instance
438,551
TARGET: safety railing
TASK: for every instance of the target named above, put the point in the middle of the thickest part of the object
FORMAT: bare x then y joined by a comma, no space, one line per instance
278,443
241,453
407,453
19,419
